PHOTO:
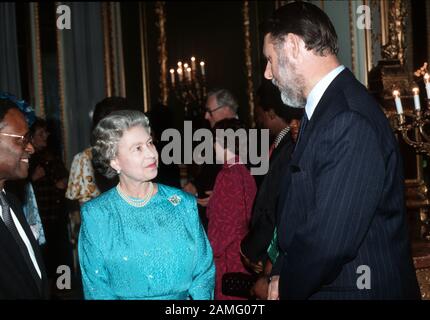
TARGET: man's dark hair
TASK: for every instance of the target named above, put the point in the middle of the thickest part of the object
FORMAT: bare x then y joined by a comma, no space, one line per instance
230,123
107,106
39,123
5,106
308,22
269,98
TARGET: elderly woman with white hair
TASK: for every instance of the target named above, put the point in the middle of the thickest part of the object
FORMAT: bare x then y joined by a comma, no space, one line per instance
140,240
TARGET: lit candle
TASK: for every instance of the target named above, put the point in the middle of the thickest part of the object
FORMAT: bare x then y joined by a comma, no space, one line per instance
185,66
172,77
427,82
188,74
202,67
417,104
398,102
193,63
180,75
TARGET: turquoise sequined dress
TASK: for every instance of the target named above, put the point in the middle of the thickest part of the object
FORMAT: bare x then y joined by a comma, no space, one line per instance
159,251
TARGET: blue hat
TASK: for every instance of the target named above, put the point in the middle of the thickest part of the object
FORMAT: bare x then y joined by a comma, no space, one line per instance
24,107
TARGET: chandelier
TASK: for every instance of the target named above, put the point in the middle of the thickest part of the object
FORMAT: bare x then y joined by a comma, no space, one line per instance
412,125
188,83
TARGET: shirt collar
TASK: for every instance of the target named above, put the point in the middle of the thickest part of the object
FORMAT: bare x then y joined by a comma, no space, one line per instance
318,90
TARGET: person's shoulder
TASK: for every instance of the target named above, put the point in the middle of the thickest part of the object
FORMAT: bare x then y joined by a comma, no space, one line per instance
235,170
100,203
84,154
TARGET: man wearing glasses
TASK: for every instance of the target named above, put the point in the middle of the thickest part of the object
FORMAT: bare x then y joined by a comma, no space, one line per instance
220,105
22,273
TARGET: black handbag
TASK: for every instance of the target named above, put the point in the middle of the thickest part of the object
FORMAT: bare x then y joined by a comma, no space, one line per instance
238,284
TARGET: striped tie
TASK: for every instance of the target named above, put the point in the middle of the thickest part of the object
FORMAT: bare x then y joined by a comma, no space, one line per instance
303,124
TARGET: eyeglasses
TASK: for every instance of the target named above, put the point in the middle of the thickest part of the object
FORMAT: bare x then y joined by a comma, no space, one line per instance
25,139
213,110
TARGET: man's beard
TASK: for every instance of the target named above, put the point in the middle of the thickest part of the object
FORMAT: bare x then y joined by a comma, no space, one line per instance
292,89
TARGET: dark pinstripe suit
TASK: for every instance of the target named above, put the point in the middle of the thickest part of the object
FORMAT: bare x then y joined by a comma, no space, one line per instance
342,204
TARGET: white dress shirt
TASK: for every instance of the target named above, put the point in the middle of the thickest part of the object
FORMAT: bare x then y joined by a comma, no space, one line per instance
24,237
318,90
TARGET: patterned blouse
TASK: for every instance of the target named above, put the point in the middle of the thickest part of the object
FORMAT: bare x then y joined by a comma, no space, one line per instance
82,185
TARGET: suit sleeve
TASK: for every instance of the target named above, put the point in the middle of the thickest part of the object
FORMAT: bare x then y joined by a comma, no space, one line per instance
348,181
202,286
95,277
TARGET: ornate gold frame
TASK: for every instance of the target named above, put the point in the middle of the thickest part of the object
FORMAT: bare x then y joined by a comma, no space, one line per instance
248,60
160,12
163,55
61,88
144,57
37,83
113,55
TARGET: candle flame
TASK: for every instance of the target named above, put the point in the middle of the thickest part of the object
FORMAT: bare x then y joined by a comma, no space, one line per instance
172,71
179,64
193,59
179,71
189,69
202,63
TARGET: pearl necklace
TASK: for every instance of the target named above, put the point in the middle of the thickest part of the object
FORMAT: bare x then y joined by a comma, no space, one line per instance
136,202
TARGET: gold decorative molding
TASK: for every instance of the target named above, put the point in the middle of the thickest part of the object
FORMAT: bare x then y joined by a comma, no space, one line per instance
384,6
116,47
162,49
376,32
394,49
248,60
423,277
144,57
37,85
368,45
61,87
113,50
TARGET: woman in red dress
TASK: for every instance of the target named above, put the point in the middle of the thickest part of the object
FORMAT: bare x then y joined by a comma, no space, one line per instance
229,208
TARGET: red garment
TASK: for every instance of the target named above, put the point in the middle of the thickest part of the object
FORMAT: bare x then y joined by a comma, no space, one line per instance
272,147
229,212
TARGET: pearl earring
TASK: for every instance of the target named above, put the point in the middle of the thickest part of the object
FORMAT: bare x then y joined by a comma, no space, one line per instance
118,171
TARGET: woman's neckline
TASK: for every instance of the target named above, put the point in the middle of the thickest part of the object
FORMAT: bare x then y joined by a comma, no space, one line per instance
134,202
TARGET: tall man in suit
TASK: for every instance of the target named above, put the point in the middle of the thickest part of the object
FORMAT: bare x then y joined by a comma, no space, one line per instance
342,223
22,273
283,123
